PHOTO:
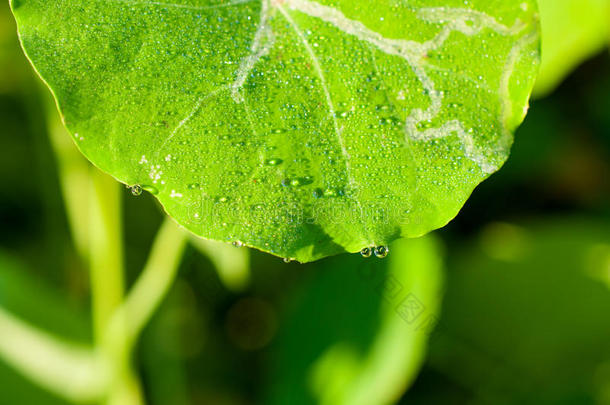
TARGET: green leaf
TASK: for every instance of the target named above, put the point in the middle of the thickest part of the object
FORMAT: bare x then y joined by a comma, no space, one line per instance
525,315
359,331
572,31
301,128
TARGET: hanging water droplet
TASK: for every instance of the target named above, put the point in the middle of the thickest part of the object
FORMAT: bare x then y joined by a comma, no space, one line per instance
287,260
381,251
237,243
136,189
366,252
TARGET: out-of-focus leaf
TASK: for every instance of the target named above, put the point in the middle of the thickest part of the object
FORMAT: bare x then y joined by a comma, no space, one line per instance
358,332
31,300
289,125
572,31
525,316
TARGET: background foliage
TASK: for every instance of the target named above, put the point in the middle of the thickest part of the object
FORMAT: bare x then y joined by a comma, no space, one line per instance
525,271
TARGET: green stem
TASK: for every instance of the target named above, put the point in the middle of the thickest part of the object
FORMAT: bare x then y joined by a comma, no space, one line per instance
67,369
74,179
105,250
232,265
95,220
107,286
93,207
152,285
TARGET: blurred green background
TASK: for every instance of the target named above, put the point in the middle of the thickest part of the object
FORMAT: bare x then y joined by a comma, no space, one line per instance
509,304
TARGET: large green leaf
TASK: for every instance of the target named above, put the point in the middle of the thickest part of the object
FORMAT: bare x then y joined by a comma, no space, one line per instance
301,128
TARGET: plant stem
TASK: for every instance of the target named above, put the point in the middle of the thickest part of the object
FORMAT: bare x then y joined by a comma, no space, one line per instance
152,285
232,265
74,179
95,220
105,249
67,369
107,286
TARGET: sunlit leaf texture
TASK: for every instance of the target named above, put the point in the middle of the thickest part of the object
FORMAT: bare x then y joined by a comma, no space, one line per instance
303,128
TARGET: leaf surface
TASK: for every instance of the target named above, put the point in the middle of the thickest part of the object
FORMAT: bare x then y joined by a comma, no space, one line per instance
303,128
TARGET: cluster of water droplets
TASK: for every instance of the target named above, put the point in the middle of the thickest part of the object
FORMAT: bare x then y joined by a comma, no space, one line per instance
378,251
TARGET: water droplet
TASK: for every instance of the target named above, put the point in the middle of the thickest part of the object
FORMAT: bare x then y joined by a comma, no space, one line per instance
273,162
381,251
329,192
287,260
366,252
384,107
424,124
334,192
237,243
151,189
341,114
136,189
318,193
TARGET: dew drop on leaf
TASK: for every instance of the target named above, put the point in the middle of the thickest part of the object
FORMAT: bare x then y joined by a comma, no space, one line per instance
381,251
136,189
273,162
366,252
